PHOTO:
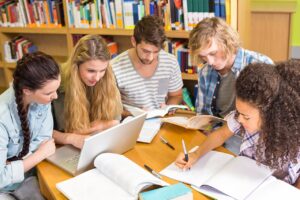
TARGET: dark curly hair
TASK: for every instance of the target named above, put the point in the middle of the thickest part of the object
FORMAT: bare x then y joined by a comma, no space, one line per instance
32,72
150,29
274,90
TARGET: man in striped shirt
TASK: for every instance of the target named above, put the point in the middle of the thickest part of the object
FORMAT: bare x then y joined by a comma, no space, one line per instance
147,76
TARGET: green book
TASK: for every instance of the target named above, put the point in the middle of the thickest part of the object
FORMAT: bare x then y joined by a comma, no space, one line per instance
171,192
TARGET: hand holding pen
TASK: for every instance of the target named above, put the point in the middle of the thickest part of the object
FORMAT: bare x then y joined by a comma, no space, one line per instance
186,155
185,159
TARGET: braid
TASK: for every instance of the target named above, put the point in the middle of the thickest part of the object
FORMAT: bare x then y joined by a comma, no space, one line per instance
32,72
22,111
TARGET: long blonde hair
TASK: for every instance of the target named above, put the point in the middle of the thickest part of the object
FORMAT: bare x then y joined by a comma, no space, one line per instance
83,104
210,29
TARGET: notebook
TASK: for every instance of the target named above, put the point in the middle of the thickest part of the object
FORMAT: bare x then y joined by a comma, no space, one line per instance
117,139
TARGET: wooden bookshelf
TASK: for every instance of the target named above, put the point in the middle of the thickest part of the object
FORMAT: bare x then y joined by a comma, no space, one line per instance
191,77
58,42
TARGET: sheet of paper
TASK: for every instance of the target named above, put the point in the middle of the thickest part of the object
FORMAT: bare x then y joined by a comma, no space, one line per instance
201,171
149,130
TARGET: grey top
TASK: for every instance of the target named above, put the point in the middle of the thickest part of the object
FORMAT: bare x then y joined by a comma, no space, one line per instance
226,94
58,112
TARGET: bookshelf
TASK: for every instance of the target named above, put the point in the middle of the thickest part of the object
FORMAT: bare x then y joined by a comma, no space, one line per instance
58,41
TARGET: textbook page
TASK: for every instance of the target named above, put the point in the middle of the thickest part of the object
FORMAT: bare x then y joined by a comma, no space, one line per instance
203,122
149,130
92,185
201,171
163,111
115,177
153,113
274,188
239,177
127,174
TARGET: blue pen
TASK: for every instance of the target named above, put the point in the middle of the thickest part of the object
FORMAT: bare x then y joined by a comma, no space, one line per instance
186,155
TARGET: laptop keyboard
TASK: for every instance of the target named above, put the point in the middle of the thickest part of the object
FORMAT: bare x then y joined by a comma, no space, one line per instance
71,163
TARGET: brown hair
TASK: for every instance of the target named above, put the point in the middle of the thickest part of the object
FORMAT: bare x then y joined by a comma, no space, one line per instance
274,91
32,72
210,29
150,30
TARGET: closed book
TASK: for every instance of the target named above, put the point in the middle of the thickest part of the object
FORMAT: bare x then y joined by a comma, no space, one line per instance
172,192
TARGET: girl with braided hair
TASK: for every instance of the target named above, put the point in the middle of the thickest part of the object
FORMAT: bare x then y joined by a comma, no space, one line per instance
26,122
268,117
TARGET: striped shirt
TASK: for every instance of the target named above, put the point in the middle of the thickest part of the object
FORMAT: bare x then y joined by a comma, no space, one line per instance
209,79
149,92
289,173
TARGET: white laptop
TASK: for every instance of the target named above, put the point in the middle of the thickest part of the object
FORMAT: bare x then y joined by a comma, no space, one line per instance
117,139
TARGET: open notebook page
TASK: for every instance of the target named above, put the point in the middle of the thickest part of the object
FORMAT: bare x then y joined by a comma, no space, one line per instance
201,171
241,171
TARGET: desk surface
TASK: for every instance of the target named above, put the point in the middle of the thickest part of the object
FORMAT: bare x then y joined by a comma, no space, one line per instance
157,155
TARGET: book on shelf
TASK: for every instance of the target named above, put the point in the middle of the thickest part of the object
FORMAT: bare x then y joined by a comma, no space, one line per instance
23,13
155,112
202,122
172,192
109,181
218,174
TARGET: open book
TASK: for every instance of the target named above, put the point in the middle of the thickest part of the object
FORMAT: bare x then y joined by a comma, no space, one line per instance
153,113
219,174
203,122
115,177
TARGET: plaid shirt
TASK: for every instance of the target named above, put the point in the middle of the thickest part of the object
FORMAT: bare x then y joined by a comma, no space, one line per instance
248,147
208,78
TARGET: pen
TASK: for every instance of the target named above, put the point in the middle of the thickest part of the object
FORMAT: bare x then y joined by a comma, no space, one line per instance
186,155
152,171
166,142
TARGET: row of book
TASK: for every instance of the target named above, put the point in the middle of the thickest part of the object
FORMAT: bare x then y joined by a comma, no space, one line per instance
32,13
180,50
124,14
17,47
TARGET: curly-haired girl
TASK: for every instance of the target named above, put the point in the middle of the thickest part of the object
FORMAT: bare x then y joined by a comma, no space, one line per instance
268,115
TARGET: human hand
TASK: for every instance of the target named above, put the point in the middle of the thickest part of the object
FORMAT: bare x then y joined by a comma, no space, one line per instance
182,164
46,148
77,140
100,125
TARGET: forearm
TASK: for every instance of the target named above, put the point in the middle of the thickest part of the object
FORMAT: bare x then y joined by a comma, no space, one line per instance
32,160
174,100
214,140
62,138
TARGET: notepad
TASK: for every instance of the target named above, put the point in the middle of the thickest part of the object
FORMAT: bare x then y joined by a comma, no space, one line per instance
149,130
115,177
222,173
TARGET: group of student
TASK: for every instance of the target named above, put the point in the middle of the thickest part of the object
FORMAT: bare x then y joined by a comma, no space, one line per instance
261,99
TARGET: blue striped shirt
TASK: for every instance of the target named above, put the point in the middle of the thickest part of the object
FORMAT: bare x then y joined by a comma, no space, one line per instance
208,78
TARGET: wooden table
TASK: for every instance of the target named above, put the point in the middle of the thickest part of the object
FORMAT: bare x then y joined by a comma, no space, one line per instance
157,155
